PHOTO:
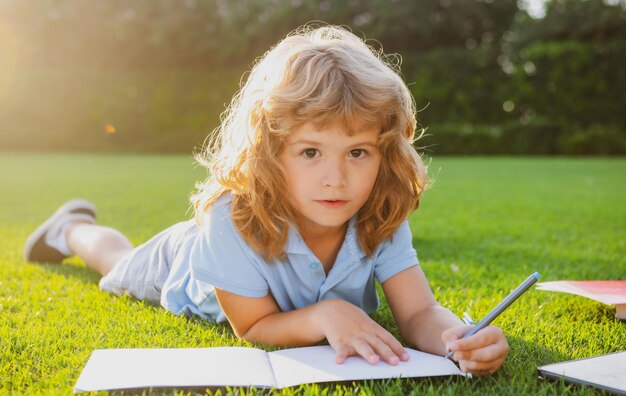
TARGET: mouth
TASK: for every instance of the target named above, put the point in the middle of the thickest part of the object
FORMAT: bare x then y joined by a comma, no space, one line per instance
331,203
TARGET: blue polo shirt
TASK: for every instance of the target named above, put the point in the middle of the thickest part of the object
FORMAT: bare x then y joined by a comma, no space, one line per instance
215,255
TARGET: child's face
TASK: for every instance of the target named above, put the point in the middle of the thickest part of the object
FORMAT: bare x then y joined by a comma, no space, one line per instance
330,174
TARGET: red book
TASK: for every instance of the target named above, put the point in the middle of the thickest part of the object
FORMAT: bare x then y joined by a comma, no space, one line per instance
610,292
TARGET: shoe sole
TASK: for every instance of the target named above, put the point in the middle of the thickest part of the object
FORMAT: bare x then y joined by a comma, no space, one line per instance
73,206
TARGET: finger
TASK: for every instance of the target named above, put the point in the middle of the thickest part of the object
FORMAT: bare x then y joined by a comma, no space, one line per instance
489,335
395,346
480,368
341,353
383,350
480,373
451,335
487,353
364,349
454,333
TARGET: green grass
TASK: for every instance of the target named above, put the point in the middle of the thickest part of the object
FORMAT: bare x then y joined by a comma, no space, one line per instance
482,228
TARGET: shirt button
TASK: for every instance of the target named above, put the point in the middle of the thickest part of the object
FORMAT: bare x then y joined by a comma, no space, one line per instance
313,266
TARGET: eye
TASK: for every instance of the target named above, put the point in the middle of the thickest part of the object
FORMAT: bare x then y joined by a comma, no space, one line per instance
357,153
310,153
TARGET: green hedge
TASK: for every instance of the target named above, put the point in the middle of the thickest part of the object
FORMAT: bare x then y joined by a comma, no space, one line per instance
514,139
555,97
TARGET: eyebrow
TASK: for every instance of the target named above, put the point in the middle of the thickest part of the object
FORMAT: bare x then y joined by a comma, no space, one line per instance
316,143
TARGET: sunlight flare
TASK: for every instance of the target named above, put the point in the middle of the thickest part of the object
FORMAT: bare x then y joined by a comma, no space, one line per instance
110,129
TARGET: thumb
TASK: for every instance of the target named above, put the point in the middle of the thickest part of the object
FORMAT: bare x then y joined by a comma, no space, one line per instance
452,334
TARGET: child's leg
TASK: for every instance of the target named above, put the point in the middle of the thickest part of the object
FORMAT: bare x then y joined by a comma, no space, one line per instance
72,230
99,247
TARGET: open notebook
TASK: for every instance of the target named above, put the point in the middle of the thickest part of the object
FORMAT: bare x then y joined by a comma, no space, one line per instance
111,369
606,372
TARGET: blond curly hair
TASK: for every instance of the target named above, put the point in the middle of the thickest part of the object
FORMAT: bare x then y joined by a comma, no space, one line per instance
324,75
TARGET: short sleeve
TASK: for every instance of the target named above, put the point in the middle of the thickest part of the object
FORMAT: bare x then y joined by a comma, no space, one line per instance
221,258
396,254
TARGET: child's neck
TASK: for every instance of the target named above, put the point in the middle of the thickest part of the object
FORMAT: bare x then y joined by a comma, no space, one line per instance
325,245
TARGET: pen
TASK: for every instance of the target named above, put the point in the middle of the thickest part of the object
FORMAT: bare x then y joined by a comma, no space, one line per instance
500,307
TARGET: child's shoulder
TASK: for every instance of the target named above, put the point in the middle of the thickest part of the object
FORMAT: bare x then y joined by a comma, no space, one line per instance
220,210
216,217
223,203
217,231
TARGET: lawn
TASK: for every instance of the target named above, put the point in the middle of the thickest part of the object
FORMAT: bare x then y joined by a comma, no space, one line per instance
483,227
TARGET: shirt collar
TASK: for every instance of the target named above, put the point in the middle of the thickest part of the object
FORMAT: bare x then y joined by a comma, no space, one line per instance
295,244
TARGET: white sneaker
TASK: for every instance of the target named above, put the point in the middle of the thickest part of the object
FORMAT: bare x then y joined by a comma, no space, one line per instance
47,243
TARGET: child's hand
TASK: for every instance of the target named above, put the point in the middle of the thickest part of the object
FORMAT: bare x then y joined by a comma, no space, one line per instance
351,332
482,353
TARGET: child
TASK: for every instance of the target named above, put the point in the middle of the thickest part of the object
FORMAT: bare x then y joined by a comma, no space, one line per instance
311,178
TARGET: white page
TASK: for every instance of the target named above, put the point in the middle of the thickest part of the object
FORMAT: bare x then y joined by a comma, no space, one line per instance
607,371
143,368
317,364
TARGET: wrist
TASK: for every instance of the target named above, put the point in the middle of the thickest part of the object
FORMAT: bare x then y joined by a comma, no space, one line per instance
318,317
321,316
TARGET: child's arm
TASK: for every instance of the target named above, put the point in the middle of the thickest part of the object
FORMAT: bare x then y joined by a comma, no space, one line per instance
432,328
349,330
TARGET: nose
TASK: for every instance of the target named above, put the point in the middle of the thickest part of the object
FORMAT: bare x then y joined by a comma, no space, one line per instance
334,175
